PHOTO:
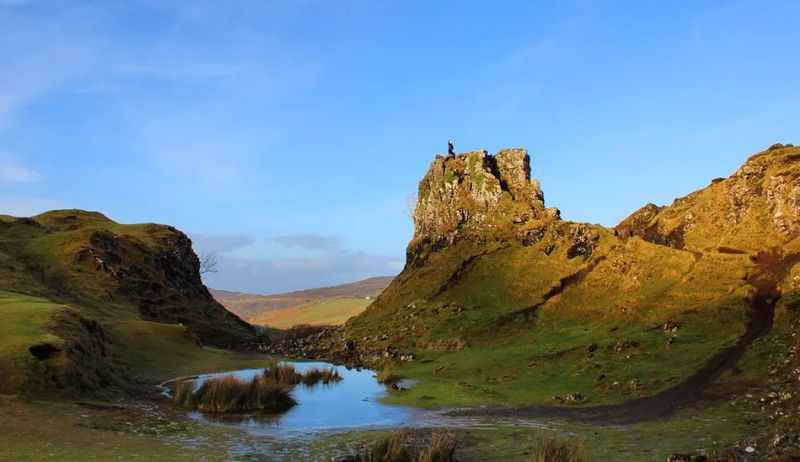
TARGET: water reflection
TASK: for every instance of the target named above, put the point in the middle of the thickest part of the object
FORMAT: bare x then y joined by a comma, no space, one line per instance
353,402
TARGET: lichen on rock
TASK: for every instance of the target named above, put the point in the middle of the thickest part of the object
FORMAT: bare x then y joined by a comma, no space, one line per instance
476,193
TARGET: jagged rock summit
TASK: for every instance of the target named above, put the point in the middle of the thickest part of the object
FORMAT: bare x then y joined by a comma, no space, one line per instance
474,192
476,195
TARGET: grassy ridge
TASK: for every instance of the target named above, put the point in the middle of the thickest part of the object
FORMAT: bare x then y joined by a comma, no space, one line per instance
248,305
330,312
600,336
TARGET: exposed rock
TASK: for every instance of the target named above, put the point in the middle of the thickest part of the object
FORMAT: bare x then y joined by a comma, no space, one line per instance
475,193
764,190
583,241
637,222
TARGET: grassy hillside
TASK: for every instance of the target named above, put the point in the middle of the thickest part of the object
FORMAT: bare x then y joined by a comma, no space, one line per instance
507,304
76,291
332,305
324,312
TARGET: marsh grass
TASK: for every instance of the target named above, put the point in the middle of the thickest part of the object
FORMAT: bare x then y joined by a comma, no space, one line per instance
554,451
412,446
387,374
268,392
230,394
326,376
283,374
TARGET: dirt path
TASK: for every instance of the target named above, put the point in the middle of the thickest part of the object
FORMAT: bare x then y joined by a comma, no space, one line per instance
770,269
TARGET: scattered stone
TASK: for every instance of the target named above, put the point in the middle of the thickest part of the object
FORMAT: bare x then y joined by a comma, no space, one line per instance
671,327
625,345
679,458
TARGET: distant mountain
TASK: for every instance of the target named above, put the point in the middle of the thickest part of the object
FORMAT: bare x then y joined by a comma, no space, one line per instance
322,305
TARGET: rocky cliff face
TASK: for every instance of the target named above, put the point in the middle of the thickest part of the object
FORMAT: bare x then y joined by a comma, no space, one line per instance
476,195
757,207
86,257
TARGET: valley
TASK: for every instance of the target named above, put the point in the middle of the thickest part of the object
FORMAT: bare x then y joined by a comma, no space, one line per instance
673,333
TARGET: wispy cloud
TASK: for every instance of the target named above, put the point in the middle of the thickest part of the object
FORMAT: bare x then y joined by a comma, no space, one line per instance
220,243
309,241
293,273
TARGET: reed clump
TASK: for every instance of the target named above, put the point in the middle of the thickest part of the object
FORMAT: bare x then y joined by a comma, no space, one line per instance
230,394
326,376
268,392
387,375
551,450
412,446
281,373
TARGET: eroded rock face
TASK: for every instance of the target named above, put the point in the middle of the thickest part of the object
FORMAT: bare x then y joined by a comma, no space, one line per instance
149,267
475,192
757,206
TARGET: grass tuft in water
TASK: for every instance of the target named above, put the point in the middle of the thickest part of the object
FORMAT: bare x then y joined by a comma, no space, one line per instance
326,376
230,394
284,374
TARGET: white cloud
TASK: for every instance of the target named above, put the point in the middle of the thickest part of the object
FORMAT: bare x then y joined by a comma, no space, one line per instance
220,243
309,241
293,273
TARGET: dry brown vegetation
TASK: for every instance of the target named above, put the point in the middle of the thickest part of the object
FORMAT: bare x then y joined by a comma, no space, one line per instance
326,376
554,451
269,391
412,446
282,373
230,394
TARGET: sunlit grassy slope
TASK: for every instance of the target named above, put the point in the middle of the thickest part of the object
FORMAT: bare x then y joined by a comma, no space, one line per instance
493,319
331,312
255,308
24,322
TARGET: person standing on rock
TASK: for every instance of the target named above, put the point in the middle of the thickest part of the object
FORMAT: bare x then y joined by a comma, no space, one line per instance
451,148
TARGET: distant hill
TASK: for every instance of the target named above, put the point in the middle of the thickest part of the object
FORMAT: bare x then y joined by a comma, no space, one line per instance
324,305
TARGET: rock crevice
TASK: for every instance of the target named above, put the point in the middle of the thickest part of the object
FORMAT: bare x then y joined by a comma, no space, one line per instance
476,193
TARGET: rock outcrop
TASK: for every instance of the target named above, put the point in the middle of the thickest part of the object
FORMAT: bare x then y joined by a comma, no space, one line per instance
478,196
149,268
757,207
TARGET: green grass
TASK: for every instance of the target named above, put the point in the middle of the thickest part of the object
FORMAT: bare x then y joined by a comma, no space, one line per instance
552,359
155,352
24,322
631,291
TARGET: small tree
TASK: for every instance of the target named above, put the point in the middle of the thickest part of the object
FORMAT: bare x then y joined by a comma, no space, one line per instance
208,263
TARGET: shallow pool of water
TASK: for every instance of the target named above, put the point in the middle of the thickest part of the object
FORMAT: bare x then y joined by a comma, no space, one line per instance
351,403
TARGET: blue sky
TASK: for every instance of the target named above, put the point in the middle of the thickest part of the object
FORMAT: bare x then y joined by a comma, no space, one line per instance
287,137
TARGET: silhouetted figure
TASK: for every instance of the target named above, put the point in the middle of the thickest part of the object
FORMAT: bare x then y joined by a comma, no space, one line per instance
451,149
